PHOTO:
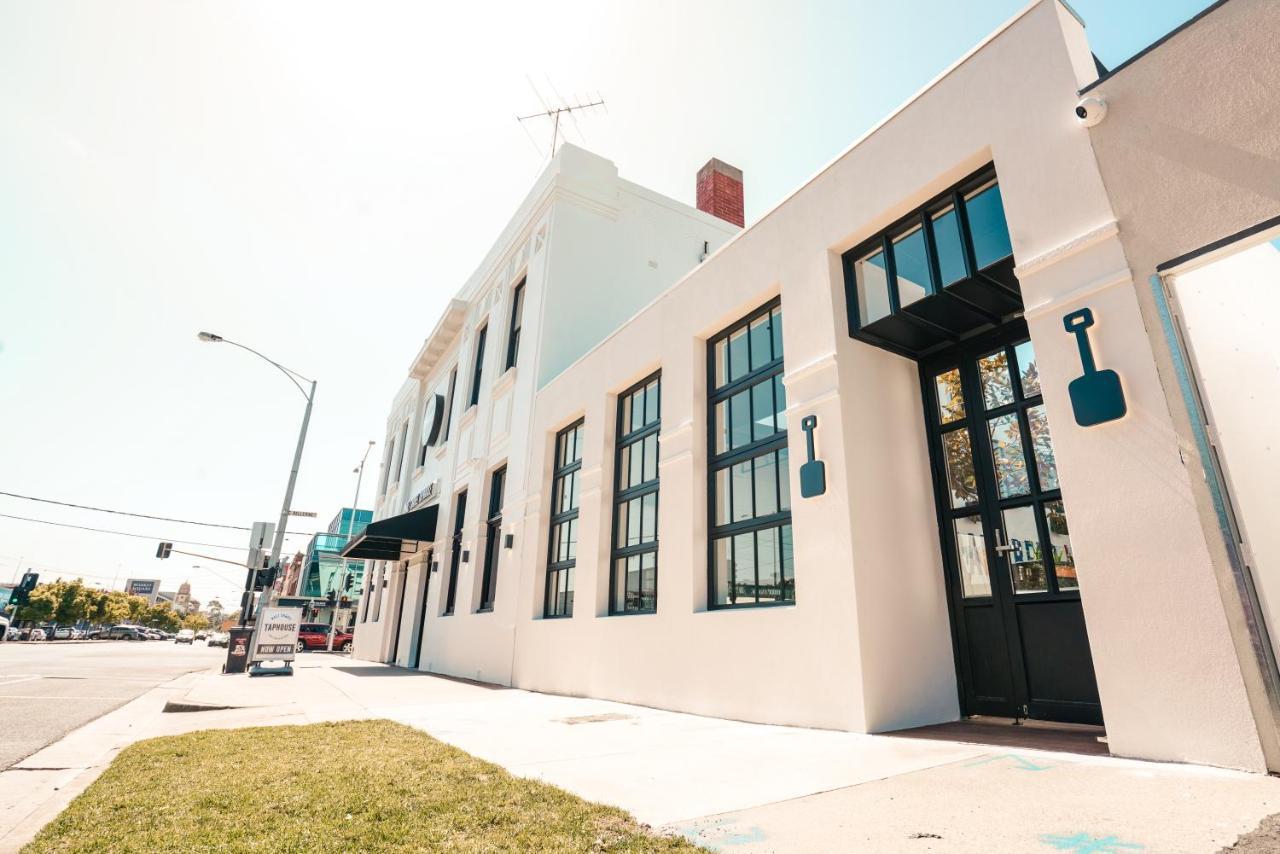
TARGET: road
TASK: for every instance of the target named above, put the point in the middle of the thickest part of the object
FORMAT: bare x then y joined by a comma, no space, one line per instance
48,689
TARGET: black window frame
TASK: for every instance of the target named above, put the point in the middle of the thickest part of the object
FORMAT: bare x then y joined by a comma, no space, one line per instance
455,552
629,438
955,197
727,459
477,369
517,322
493,535
560,473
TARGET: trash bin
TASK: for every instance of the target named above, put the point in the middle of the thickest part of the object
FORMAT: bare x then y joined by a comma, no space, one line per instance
238,648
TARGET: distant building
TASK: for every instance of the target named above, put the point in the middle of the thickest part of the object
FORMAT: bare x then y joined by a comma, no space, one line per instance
147,588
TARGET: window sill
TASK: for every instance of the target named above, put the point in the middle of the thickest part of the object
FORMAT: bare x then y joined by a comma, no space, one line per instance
652,613
505,381
754,606
488,610
557,616
468,417
447,614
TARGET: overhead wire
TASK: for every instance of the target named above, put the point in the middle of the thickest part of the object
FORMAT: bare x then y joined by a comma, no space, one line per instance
141,515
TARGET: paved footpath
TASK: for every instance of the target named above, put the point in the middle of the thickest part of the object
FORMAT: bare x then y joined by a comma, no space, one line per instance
727,785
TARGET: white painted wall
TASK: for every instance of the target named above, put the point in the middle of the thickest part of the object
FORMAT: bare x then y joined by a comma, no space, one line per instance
1230,310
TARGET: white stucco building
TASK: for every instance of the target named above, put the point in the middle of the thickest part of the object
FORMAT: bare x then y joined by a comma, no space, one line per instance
956,324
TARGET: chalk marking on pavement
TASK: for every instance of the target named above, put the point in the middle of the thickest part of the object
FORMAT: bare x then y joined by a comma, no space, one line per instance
720,832
16,681
1021,762
54,697
1083,843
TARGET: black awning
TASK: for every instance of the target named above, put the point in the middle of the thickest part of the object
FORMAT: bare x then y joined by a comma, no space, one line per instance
396,537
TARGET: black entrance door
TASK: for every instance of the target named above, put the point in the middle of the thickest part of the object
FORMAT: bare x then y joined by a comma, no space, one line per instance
1019,628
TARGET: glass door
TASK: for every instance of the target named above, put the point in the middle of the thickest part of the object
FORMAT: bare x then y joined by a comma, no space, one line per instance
1022,648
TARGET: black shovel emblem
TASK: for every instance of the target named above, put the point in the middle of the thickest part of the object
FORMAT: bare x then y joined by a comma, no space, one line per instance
1097,396
813,474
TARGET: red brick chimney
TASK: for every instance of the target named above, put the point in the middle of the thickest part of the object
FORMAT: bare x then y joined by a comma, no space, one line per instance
720,191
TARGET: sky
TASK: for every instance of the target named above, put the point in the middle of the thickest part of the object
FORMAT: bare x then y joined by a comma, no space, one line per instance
315,180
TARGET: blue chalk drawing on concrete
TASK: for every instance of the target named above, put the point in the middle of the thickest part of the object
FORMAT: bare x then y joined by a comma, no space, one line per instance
1019,762
721,833
1083,843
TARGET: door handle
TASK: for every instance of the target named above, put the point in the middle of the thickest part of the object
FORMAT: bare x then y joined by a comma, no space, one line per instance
1001,545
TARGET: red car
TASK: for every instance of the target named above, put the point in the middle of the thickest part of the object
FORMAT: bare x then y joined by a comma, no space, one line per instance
316,636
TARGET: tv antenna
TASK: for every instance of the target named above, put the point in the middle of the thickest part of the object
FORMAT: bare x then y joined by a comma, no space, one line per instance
562,108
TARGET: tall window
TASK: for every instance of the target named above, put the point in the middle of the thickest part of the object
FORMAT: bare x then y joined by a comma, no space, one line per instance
455,552
493,533
399,463
563,545
634,576
448,406
750,549
513,335
478,368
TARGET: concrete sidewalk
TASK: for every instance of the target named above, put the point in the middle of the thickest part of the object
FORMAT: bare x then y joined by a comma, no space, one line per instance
724,784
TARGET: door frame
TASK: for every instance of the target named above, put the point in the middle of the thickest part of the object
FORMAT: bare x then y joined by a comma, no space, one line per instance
990,511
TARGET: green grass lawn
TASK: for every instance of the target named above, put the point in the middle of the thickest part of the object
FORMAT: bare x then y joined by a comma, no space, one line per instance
356,786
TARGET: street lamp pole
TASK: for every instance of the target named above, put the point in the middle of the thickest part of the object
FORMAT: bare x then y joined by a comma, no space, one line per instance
293,377
358,471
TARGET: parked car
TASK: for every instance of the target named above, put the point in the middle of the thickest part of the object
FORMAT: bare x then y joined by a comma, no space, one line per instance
186,636
316,636
200,635
62,633
4,629
36,635
219,639
123,632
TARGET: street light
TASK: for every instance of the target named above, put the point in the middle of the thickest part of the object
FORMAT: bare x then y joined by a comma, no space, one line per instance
293,377
358,471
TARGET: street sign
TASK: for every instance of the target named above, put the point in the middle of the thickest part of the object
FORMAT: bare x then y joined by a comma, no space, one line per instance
305,513
277,634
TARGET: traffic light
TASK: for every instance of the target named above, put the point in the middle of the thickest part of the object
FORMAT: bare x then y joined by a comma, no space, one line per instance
349,582
330,599
163,550
22,593
266,577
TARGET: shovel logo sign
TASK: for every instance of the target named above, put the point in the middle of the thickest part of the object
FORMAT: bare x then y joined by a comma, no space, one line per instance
1096,397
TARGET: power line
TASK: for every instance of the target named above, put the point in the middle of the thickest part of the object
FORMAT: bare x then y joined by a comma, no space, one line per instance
142,516
120,533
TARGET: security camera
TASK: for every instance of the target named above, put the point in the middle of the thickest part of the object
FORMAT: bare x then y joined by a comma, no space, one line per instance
1091,111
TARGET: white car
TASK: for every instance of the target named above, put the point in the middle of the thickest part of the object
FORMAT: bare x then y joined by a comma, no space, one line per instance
186,636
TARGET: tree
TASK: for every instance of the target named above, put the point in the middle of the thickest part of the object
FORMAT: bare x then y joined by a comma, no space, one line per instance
196,622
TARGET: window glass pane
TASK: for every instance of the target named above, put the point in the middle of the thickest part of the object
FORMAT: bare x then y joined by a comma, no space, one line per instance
722,427
741,487
761,411
777,332
769,567
739,360
650,458
1028,373
766,477
624,583
780,403
962,481
722,362
971,547
788,564
987,226
624,465
740,419
1026,559
651,402
1007,457
636,473
761,342
873,288
566,591
1064,561
722,497
1042,447
993,374
744,569
950,396
649,518
720,570
648,595
571,537
911,264
784,480
946,238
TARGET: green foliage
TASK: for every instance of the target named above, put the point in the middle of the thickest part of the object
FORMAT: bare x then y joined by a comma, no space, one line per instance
69,602
399,789
195,622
